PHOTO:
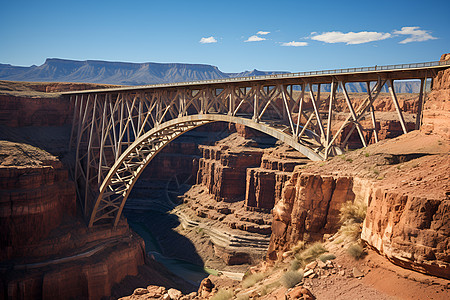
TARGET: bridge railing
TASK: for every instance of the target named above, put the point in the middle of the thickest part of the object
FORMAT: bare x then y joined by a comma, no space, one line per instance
312,73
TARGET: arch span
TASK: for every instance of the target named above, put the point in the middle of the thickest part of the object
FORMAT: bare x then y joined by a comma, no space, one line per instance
122,176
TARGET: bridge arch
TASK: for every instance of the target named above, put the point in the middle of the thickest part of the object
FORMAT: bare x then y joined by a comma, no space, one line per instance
122,176
118,131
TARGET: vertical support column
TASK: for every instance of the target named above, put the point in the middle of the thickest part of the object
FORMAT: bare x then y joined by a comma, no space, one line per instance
256,103
232,101
88,160
390,83
284,89
79,134
300,109
102,141
74,120
202,101
330,114
423,86
372,112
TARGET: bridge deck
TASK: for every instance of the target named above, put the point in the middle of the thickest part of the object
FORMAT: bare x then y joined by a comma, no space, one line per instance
361,74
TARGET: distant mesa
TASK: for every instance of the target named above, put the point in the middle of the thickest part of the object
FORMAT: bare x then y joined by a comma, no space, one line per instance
122,73
125,73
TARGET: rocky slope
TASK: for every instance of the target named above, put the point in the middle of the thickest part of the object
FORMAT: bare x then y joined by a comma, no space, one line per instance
404,182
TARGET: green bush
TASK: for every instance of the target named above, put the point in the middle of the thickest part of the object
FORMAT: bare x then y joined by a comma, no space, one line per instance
291,278
356,251
223,295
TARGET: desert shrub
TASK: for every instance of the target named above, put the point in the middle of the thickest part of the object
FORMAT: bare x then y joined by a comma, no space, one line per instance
356,251
300,246
268,288
252,279
351,230
327,256
351,212
291,278
223,295
296,264
312,252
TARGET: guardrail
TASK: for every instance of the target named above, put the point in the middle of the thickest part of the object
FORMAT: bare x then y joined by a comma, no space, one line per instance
309,73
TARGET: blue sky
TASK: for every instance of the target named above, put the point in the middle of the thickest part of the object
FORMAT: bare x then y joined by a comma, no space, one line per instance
275,35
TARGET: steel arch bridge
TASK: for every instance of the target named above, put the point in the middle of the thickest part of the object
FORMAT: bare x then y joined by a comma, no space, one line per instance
117,132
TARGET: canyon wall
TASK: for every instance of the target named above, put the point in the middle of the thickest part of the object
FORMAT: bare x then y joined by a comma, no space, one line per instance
406,224
28,111
223,170
27,211
308,209
436,114
264,183
46,249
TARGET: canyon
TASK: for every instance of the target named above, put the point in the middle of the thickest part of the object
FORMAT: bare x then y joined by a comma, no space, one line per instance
245,199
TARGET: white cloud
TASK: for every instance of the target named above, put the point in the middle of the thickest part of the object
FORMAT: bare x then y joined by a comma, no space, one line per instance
255,38
351,38
263,32
416,35
295,44
208,40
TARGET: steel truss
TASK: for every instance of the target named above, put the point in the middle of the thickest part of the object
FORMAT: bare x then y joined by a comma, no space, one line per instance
117,132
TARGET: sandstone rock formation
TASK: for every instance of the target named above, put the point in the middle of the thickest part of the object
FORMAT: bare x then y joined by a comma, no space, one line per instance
308,208
405,183
436,114
264,184
27,111
223,170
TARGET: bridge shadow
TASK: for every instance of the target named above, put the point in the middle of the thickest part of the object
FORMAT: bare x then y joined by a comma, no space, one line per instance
148,213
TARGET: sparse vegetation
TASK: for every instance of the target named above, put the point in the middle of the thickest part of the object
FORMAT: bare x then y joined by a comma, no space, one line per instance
300,246
356,251
252,279
311,253
366,154
351,231
223,294
291,278
351,217
327,256
296,264
352,212
267,289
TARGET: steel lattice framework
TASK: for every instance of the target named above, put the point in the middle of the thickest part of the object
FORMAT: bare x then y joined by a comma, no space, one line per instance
116,132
